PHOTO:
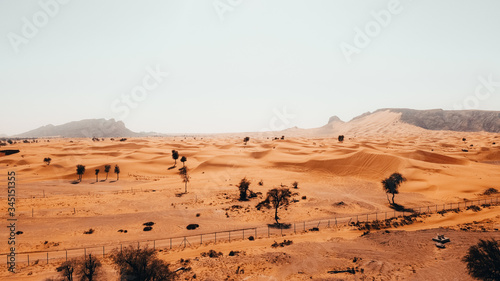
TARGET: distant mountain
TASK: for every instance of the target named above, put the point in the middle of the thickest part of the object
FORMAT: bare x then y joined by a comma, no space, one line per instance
397,120
100,128
452,120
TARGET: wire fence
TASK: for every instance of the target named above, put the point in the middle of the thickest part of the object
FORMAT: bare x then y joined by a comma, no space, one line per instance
252,233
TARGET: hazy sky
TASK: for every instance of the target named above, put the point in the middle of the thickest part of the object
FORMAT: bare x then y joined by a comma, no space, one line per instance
241,65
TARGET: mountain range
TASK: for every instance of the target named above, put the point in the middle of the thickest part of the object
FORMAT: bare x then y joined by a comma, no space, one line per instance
385,120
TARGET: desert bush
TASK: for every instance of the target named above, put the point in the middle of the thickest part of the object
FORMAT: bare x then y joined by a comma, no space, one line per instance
147,228
251,238
282,244
341,138
261,183
474,208
245,140
192,226
149,223
244,187
490,191
483,260
212,254
295,185
47,160
90,231
141,264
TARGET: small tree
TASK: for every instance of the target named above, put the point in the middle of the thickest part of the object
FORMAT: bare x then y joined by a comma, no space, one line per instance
107,168
141,264
80,170
183,172
90,268
66,269
183,159
246,139
391,185
341,138
97,175
175,156
277,197
483,260
47,160
295,185
117,172
243,187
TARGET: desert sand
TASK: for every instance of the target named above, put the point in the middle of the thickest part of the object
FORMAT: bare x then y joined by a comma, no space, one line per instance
54,211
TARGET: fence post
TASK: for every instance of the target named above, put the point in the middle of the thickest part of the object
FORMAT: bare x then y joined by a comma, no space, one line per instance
243,234
294,229
47,257
28,260
281,230
85,252
154,244
328,223
121,248
268,234
335,221
256,233
304,226
66,255
229,235
201,239
171,243
103,252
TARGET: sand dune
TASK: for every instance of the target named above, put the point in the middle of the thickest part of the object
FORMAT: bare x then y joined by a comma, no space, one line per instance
328,173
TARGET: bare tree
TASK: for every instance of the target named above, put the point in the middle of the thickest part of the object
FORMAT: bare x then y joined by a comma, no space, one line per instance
66,269
277,197
90,269
183,159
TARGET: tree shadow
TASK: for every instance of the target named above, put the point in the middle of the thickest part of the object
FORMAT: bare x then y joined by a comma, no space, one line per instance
113,181
102,180
280,225
75,182
170,168
401,208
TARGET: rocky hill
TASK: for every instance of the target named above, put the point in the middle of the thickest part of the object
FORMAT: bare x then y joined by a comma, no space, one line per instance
87,128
